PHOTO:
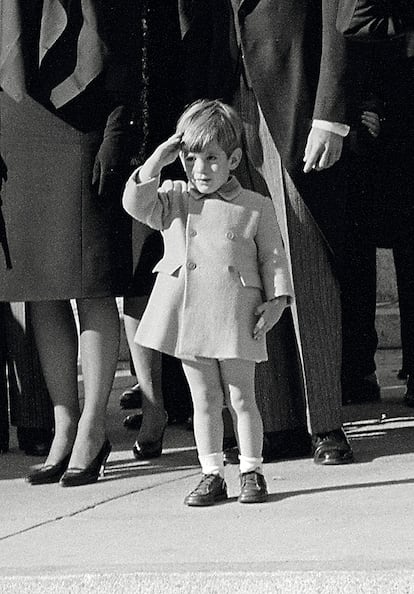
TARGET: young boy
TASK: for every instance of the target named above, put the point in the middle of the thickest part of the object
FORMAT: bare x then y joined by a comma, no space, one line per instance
222,284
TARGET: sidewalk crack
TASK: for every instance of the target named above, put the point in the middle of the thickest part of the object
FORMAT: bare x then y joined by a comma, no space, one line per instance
93,506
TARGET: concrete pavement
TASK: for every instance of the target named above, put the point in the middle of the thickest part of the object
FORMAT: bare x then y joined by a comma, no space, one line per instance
325,529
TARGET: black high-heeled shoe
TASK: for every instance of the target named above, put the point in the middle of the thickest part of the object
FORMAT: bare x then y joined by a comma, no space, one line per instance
74,477
149,449
52,473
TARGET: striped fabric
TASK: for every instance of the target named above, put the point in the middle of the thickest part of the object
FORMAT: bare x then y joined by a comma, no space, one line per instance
12,74
316,312
76,51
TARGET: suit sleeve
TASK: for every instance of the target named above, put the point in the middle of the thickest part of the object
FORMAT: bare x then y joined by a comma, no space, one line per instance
273,264
330,94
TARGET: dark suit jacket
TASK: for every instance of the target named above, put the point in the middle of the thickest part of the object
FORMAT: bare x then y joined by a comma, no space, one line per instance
294,57
295,61
371,20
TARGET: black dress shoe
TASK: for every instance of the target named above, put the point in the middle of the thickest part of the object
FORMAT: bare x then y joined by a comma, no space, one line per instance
133,422
332,448
52,473
131,398
149,449
409,394
253,488
211,489
360,391
74,477
34,442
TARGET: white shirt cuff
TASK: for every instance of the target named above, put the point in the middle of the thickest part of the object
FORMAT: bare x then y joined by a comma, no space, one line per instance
336,127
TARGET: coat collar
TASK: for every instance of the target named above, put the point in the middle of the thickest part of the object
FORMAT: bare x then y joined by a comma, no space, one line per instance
228,191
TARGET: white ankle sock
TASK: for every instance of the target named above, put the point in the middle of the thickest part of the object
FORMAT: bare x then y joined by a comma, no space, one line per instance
250,464
212,463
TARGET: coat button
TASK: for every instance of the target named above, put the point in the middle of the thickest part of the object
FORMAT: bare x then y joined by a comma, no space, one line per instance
191,265
193,233
230,235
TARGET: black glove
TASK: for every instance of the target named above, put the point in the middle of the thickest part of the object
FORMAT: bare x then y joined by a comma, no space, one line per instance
112,161
3,171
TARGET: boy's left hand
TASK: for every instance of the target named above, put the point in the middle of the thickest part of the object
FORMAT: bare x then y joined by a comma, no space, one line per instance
270,313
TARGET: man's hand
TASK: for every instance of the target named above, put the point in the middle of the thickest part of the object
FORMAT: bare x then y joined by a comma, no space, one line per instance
323,149
371,121
270,313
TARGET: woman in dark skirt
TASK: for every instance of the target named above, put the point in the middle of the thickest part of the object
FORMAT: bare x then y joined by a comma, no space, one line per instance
68,72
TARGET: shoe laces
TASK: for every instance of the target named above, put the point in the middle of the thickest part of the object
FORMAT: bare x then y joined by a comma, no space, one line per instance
205,484
251,478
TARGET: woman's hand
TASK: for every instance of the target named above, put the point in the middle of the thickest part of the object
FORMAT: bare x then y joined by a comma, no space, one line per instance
371,121
270,313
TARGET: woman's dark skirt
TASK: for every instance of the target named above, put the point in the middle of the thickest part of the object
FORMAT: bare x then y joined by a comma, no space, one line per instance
60,240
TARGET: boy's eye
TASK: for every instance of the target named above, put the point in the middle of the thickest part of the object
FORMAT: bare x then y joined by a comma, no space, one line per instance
189,158
212,158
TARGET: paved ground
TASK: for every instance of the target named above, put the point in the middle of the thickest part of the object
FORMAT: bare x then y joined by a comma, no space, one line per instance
325,529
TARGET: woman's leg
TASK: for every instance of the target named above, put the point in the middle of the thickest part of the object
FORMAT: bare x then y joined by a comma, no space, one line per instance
238,381
147,364
57,342
99,351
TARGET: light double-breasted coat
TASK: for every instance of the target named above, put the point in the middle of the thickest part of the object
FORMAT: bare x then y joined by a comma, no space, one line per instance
223,257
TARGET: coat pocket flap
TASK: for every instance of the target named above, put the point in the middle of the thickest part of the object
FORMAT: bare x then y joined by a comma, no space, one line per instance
248,277
171,267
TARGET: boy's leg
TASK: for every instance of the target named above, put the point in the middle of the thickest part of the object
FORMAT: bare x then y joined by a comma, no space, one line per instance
238,381
207,394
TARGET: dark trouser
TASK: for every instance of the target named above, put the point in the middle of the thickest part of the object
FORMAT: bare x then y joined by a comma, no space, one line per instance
304,357
358,300
404,267
30,405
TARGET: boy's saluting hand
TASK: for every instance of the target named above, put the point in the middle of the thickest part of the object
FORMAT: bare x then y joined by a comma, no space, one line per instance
270,313
165,154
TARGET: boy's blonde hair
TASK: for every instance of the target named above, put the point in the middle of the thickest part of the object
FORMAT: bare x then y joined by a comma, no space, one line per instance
206,121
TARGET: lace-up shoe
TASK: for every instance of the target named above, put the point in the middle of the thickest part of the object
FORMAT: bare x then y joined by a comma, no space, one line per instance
253,487
210,489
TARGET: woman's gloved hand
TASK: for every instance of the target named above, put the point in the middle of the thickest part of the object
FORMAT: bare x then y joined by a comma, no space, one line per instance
112,161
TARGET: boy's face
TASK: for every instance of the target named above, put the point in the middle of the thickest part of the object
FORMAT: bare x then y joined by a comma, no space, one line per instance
210,169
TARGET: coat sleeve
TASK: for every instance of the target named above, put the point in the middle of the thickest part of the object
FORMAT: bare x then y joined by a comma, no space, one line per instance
144,202
330,94
370,20
273,264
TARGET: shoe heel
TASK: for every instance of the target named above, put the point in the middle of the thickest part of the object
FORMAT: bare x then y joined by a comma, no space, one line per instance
74,477
104,461
151,449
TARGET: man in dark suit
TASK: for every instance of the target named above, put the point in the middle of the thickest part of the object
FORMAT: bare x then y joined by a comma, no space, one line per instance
282,65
